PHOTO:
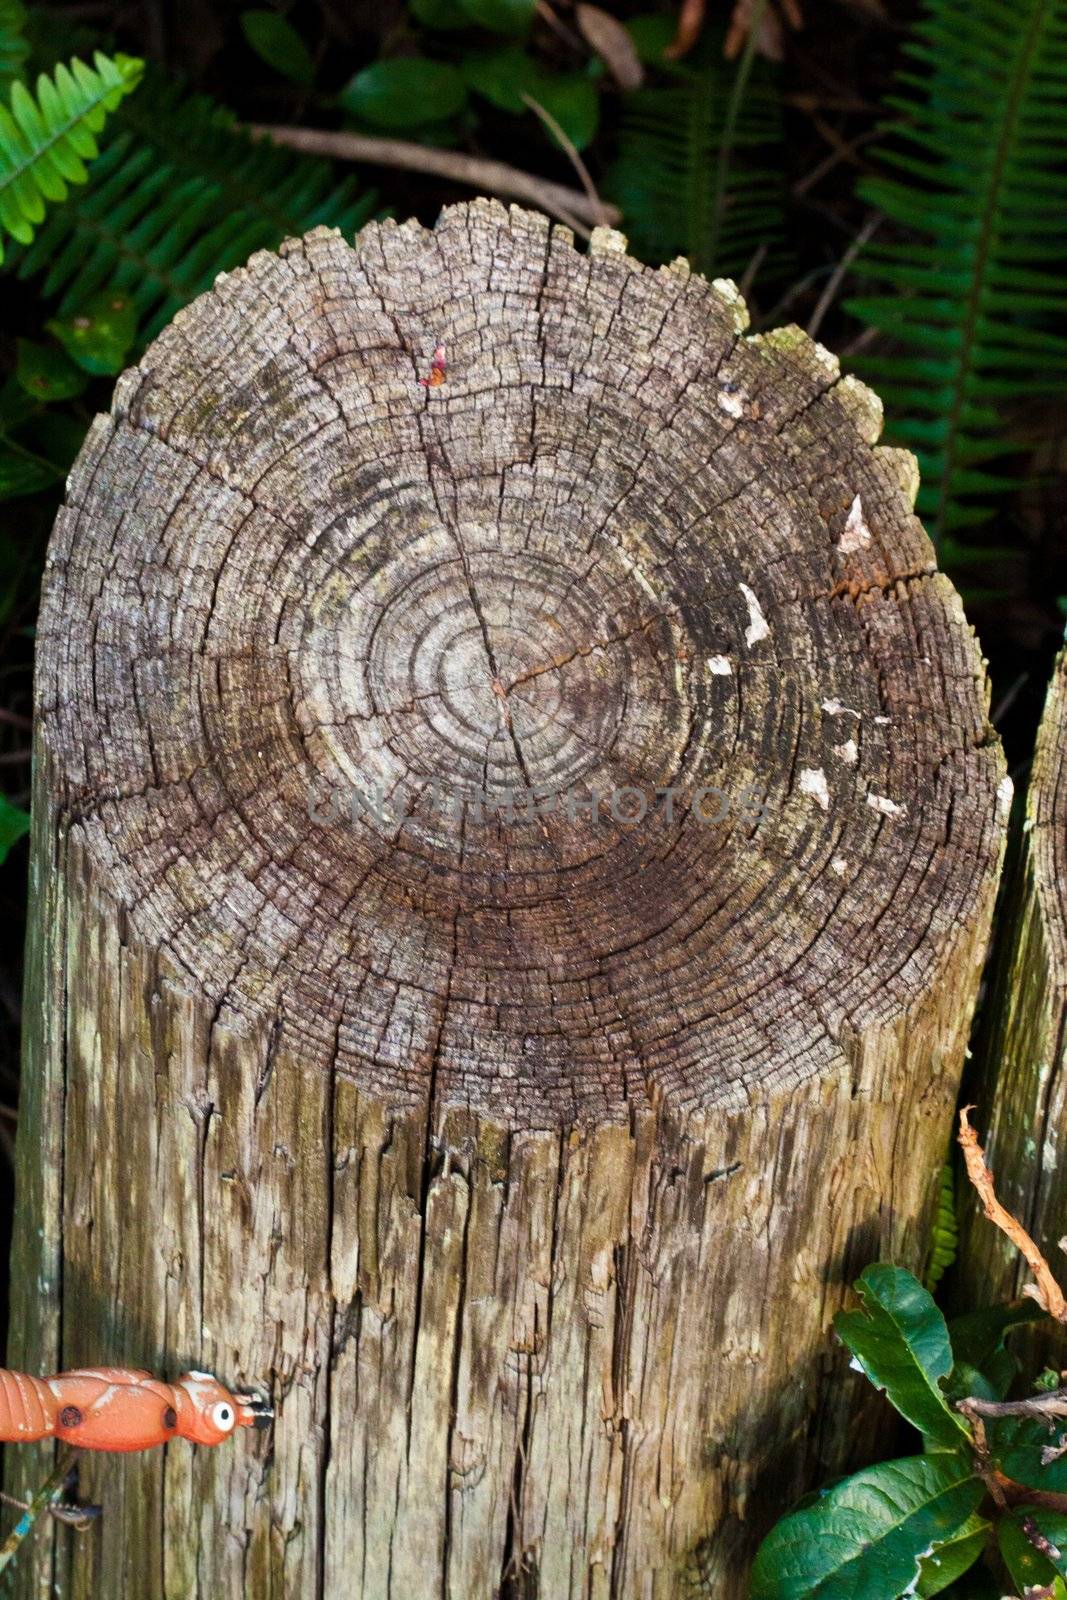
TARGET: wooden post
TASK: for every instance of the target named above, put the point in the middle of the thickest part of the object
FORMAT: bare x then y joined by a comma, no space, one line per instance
1021,1078
524,1156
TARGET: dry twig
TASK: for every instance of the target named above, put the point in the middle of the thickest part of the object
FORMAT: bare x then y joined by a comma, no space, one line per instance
570,149
476,172
1045,1290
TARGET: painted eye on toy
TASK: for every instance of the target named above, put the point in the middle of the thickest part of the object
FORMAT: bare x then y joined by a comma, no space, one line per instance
222,1416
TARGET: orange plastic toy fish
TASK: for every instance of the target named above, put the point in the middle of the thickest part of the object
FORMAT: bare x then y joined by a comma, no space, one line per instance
117,1408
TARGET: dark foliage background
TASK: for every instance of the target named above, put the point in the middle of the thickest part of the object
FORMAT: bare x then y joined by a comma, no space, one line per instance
890,174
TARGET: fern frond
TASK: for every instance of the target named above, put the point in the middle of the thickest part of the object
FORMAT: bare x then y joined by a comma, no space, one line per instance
664,179
179,194
46,141
944,1238
971,290
13,47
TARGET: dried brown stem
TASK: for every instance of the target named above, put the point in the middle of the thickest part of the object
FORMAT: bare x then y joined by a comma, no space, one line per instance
1045,1290
570,150
492,177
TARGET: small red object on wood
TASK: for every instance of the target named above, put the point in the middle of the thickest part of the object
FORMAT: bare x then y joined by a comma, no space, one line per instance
437,369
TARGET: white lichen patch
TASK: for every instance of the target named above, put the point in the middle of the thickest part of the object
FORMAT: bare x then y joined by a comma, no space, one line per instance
731,295
813,782
1005,792
730,402
837,708
856,535
839,865
757,623
883,722
886,807
847,752
719,666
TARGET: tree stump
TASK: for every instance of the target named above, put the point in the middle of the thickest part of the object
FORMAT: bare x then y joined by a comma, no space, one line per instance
1021,1083
522,1154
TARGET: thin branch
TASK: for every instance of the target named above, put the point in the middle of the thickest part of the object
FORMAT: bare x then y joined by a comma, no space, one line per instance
1045,1290
1052,1403
571,151
475,172
837,277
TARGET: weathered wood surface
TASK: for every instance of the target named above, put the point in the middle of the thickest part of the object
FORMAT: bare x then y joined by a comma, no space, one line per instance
524,1160
1021,1078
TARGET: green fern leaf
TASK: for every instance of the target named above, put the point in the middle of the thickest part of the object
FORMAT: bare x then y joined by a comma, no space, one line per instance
177,195
45,142
944,1238
664,179
13,47
970,290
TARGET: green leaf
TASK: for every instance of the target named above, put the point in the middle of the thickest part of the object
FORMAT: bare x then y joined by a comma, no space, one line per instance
966,1381
14,822
1051,1526
276,41
99,334
574,103
502,76
867,1537
501,16
1028,1567
953,1558
977,1340
1015,1445
47,372
406,92
45,142
901,1341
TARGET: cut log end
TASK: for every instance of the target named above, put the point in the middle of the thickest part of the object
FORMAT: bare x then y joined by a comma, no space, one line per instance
335,661
522,1157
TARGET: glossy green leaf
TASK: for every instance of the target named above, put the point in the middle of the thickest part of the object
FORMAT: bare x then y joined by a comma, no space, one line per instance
953,1558
99,334
276,41
14,823
867,1537
502,76
977,1340
1028,1566
47,372
900,1339
406,92
574,103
